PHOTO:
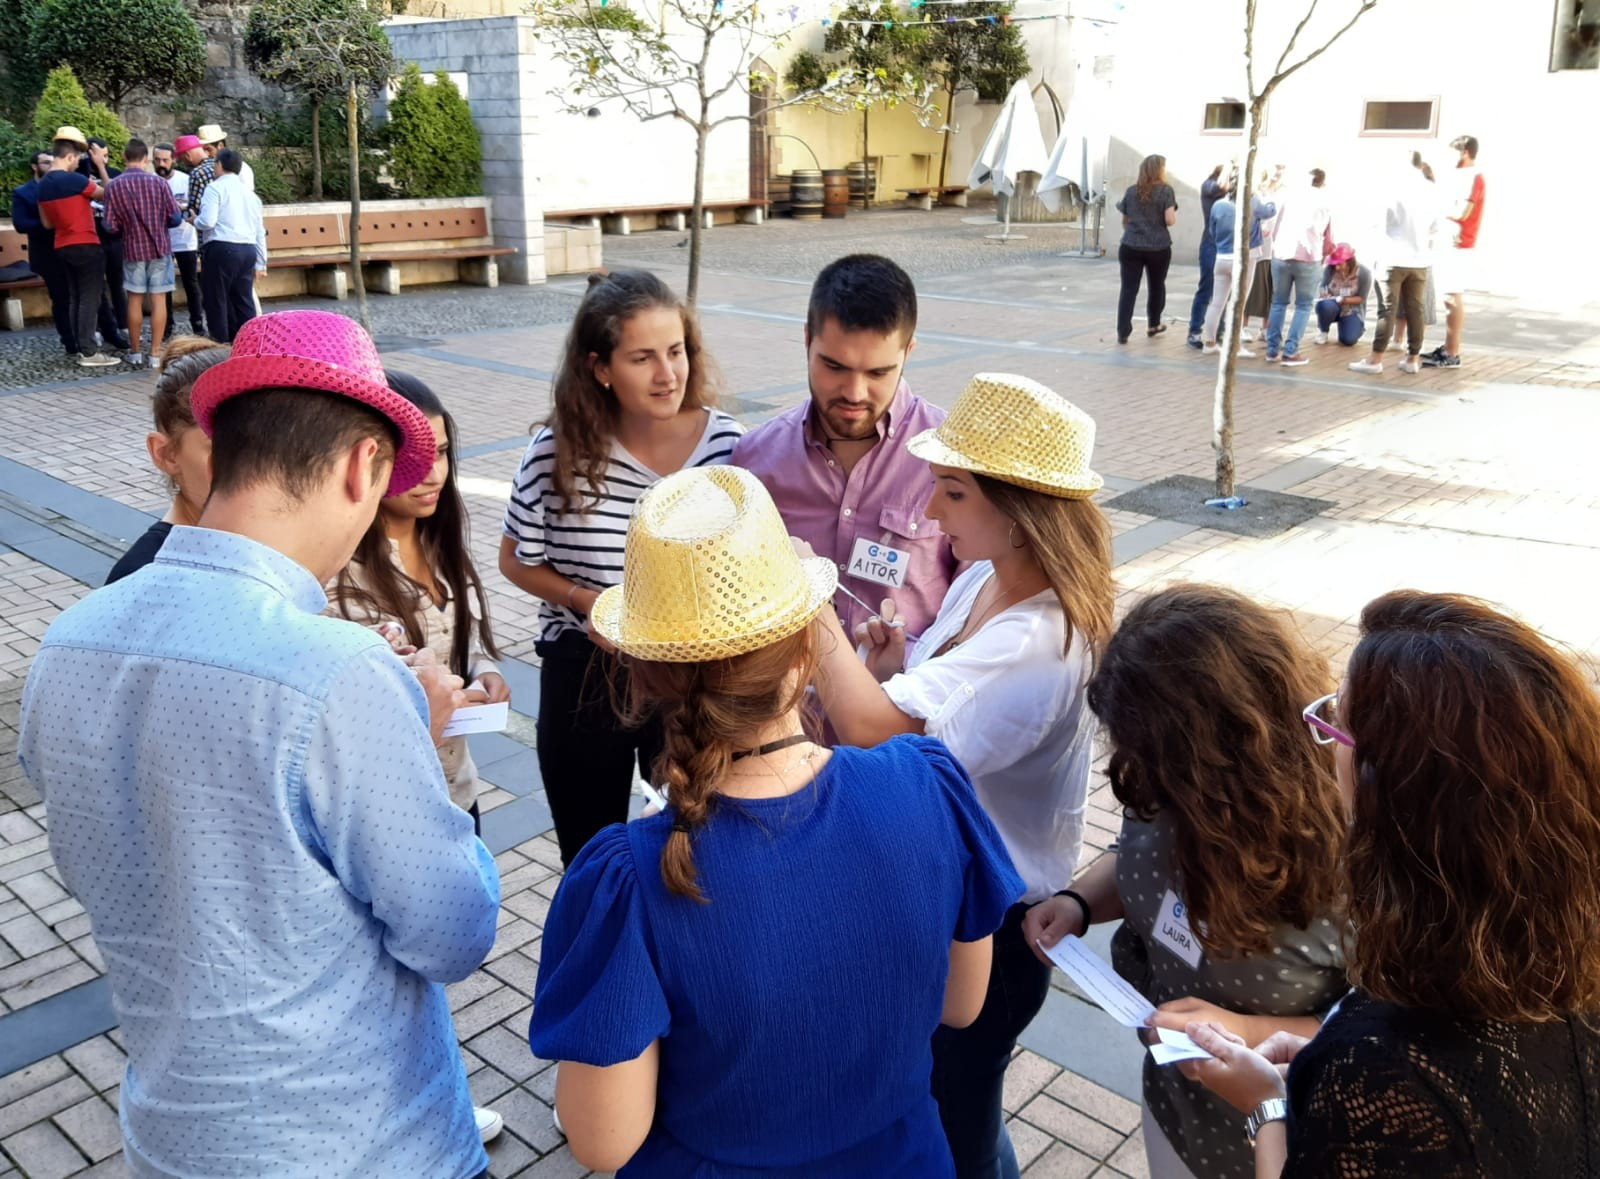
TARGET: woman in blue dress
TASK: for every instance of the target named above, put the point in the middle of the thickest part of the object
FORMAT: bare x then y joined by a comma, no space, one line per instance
746,984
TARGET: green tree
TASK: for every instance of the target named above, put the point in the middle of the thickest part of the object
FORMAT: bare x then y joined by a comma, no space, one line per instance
270,29
979,50
327,47
434,150
16,152
119,46
887,48
21,78
63,103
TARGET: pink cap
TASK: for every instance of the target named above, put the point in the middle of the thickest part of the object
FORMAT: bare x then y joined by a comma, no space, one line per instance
1342,253
318,350
185,143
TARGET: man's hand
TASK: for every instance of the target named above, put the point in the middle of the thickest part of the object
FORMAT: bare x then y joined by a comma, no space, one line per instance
444,696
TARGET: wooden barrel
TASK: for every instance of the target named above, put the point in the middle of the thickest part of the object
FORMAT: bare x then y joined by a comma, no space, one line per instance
805,193
835,192
778,194
863,182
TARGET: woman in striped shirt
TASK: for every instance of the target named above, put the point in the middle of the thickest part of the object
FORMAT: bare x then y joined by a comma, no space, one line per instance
633,401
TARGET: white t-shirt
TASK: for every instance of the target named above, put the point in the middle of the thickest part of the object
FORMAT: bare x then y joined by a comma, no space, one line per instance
1011,707
184,238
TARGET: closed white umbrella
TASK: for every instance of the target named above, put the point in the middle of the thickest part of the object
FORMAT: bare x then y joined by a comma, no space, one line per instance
1015,145
1079,158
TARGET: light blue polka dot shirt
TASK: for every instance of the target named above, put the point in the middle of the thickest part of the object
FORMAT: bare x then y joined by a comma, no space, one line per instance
244,797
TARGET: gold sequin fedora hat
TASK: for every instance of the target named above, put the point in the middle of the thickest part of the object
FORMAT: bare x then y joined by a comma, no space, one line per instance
708,572
1014,429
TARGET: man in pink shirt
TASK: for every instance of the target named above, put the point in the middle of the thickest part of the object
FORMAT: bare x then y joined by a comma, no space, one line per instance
837,466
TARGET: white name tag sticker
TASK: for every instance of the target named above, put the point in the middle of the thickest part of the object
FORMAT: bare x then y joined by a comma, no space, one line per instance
874,561
1173,932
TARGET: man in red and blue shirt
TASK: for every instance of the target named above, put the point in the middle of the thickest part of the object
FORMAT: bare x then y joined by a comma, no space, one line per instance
140,206
65,205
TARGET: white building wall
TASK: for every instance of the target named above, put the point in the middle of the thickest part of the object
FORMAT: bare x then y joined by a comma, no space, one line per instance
1485,61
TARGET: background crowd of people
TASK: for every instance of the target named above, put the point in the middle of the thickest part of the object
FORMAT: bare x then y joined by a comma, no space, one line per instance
862,652
107,240
1430,228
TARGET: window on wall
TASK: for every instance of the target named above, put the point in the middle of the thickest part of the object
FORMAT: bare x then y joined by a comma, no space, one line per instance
1400,116
1576,43
1224,118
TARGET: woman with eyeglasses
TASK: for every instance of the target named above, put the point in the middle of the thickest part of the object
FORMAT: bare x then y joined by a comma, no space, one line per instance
1468,751
1225,875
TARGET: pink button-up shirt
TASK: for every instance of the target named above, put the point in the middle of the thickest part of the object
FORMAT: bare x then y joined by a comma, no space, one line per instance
882,501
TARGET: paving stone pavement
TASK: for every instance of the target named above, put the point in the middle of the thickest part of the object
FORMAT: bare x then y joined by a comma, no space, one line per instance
1475,479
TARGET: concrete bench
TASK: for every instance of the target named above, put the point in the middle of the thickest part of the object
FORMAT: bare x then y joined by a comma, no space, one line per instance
624,220
947,194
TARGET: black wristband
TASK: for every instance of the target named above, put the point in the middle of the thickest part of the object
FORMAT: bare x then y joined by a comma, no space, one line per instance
1088,913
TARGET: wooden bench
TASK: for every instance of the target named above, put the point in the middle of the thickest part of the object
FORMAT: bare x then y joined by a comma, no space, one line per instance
947,194
14,250
390,237
624,219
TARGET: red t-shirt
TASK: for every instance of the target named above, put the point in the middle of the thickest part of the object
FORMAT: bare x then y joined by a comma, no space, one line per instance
1468,236
65,197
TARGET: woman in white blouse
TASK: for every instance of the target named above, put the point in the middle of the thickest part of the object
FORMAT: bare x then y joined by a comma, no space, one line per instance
999,677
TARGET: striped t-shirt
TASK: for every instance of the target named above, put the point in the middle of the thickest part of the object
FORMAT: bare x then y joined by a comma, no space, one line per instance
586,545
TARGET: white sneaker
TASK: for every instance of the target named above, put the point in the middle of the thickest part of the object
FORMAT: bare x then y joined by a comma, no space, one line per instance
1246,354
96,360
555,1118
489,1123
1411,365
1322,337
1366,366
1247,335
1209,349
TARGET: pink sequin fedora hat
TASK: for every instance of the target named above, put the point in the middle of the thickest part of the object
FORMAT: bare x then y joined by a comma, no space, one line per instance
323,351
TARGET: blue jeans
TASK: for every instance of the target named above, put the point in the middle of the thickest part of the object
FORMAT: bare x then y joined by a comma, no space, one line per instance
969,1064
1202,293
1303,276
1350,326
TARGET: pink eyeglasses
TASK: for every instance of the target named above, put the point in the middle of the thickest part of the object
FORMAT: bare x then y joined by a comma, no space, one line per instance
1323,730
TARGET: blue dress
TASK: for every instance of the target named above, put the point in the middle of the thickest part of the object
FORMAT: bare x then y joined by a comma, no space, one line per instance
795,1009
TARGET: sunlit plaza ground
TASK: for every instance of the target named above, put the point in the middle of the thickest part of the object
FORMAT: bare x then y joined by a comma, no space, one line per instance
1478,479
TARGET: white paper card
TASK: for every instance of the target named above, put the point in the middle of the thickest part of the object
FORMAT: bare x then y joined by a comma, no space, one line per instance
1172,930
872,560
479,718
1175,1046
1102,984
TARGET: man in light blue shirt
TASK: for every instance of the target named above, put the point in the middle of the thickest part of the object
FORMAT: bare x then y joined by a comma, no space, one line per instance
233,251
245,797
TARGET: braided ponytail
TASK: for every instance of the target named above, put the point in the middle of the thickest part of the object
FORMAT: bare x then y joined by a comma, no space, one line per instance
708,711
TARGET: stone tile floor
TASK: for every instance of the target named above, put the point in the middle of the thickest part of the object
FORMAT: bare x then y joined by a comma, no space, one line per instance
1476,479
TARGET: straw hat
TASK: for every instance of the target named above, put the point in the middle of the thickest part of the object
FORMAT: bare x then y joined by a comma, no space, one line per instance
326,352
71,135
1015,430
211,133
709,572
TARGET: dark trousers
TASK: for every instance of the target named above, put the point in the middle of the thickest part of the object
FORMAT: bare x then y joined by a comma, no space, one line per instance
84,268
1406,294
1136,263
586,755
188,262
43,262
227,275
1202,293
1350,326
969,1064
114,303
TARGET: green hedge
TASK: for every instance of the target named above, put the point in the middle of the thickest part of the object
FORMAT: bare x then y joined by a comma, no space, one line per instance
434,149
64,103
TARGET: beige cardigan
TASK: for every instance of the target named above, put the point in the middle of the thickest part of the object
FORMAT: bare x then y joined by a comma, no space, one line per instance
454,757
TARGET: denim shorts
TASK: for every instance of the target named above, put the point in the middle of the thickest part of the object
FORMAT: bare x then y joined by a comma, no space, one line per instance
153,277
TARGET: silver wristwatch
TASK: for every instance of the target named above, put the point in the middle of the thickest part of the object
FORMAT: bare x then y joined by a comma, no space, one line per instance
1273,1109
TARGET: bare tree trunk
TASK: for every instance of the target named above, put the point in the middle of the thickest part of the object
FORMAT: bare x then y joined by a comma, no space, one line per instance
697,229
316,147
868,179
351,111
949,113
1228,361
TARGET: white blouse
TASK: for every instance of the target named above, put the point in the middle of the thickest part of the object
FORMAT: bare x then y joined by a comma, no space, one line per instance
1010,705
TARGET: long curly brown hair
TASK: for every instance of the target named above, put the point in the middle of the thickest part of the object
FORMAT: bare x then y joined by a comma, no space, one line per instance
705,709
1071,539
1474,847
1152,172
583,414
1200,691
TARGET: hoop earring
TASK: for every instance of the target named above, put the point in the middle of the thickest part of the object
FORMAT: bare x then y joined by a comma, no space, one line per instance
1011,537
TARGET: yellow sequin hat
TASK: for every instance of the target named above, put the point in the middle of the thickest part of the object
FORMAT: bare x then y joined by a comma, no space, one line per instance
1015,430
709,572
